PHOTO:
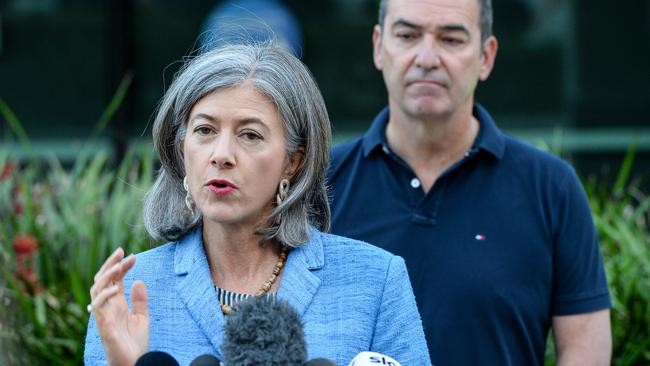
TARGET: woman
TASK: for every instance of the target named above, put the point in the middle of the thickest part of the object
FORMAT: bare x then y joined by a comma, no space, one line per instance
243,138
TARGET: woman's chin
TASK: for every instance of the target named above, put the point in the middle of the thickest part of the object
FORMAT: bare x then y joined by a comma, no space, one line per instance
221,218
234,214
230,218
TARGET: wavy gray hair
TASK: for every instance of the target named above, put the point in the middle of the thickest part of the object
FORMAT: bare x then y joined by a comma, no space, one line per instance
286,82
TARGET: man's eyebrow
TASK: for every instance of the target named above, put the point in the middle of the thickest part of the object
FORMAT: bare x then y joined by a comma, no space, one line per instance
405,23
454,28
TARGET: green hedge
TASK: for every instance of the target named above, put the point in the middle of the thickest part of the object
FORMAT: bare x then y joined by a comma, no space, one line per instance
57,228
621,216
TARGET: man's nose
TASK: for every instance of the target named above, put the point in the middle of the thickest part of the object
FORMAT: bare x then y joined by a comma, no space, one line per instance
427,56
223,151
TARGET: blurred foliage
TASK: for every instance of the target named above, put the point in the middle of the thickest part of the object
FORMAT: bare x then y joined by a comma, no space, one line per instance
76,218
57,226
621,214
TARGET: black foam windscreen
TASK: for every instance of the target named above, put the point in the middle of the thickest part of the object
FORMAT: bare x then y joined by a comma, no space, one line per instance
320,362
265,331
206,360
157,358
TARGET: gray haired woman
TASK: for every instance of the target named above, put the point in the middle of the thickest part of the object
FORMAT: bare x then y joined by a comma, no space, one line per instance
243,137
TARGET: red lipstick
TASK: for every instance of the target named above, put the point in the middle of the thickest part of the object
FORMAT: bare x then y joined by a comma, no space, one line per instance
221,187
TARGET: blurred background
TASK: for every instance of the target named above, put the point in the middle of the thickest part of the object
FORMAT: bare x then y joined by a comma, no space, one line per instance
571,75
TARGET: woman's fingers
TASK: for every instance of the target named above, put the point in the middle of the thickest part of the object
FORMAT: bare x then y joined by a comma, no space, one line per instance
112,275
124,266
102,297
124,333
116,257
107,278
128,263
139,298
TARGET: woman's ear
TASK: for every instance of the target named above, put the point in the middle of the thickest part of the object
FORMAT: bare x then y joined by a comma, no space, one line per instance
294,162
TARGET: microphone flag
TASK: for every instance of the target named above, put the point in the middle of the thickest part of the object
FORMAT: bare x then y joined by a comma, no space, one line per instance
373,359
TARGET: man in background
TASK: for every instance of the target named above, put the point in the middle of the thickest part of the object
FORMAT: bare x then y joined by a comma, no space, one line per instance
497,235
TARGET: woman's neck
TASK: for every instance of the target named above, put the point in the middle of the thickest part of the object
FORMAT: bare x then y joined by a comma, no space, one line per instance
238,262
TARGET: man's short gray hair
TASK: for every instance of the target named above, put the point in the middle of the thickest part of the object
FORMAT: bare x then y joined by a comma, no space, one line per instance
290,86
485,20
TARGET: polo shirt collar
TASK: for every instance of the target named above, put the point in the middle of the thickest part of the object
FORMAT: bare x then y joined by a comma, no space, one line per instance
376,134
489,138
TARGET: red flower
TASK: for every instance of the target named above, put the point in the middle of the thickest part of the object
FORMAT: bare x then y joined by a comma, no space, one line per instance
6,171
25,247
25,244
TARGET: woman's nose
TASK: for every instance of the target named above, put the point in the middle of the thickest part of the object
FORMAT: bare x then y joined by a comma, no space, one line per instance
223,152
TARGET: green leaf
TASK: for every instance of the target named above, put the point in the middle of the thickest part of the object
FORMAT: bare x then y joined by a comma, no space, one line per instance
39,311
17,128
113,105
624,173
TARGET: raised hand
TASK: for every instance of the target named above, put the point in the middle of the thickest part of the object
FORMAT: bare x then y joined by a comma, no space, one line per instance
124,332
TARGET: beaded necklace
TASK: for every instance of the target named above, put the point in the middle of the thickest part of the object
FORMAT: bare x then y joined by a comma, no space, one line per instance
266,287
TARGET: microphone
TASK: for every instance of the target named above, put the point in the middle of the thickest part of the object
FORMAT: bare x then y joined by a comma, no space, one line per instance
158,358
320,362
264,331
373,359
206,360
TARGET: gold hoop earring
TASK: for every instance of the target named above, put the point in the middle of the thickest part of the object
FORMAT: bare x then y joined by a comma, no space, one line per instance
283,191
189,201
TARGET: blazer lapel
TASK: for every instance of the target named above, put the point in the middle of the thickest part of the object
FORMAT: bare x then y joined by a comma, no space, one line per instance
196,287
298,284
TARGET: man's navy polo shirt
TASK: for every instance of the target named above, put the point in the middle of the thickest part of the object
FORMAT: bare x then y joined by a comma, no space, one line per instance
503,241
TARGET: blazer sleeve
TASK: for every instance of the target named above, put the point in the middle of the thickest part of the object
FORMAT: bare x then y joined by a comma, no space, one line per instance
398,330
94,350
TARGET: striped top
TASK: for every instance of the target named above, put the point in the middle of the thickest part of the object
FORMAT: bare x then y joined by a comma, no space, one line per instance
231,298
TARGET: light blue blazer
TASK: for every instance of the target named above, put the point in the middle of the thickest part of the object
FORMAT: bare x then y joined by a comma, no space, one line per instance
351,297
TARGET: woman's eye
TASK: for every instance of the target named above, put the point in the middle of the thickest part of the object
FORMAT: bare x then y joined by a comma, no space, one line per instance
251,136
203,130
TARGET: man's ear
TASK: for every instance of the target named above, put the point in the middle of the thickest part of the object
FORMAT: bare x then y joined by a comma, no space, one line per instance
376,47
294,162
488,55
